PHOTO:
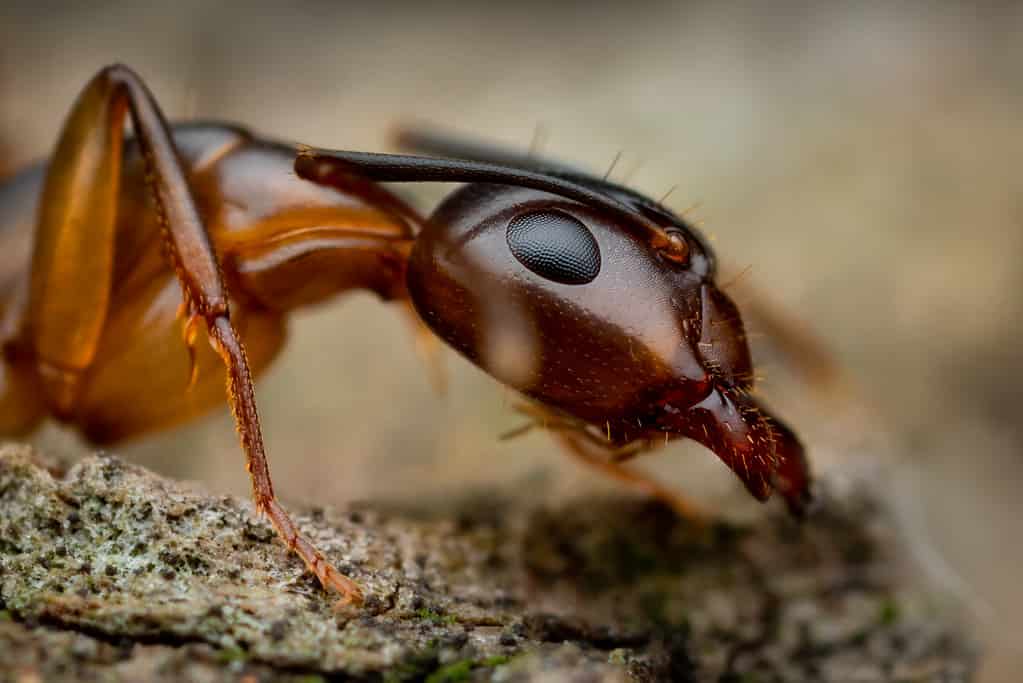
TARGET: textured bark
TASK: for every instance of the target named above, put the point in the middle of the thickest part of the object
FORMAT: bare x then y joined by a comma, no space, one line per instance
110,572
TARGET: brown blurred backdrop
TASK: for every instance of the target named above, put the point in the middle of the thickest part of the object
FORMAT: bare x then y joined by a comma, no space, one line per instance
864,161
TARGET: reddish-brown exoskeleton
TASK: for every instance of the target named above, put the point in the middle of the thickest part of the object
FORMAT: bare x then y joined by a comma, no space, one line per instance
581,294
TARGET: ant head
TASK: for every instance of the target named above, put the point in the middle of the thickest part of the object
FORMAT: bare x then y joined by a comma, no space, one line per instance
592,311
590,298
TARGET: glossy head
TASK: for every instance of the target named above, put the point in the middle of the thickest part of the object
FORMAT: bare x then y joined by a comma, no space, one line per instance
555,299
598,302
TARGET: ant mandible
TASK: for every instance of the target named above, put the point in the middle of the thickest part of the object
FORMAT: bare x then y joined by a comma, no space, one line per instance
585,296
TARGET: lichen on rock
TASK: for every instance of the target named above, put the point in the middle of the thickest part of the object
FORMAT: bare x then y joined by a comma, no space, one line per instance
111,571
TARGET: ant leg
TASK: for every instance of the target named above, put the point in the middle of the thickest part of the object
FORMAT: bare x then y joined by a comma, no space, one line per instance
541,417
72,270
576,446
810,358
429,349
803,350
605,457
21,405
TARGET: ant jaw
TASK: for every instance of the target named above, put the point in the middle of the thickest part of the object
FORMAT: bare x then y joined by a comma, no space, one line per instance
792,477
760,450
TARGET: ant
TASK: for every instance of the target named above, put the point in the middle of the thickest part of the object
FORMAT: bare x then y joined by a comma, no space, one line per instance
585,296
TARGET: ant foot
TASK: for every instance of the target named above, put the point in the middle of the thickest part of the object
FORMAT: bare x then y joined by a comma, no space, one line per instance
331,579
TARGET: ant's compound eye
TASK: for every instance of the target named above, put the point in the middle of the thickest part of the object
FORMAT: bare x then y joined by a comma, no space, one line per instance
554,245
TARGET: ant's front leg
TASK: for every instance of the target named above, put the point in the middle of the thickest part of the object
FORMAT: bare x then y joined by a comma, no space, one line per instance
73,266
607,458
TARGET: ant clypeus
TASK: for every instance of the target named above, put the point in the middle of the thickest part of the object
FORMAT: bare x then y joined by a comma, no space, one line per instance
585,296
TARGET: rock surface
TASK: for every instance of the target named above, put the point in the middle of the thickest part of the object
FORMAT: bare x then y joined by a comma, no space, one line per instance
110,572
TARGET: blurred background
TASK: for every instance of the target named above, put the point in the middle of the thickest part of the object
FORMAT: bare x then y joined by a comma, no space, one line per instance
861,162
